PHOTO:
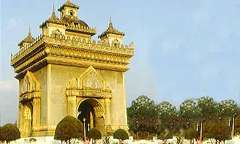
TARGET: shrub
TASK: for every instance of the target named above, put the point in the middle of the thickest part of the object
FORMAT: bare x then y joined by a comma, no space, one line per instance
94,134
9,132
120,134
68,128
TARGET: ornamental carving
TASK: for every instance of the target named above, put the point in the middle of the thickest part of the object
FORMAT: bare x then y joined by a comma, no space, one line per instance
99,111
30,83
30,87
90,83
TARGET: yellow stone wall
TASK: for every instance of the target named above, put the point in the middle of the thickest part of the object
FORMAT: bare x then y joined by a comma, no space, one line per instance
59,77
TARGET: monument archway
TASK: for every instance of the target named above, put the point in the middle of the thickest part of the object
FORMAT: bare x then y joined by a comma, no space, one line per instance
89,96
91,114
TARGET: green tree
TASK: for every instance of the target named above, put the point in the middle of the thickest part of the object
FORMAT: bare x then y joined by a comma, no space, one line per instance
207,108
189,110
94,134
237,122
121,135
228,109
217,129
142,116
68,128
9,132
167,114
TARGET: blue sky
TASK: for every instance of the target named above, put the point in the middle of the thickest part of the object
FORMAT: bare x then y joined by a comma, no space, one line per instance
184,48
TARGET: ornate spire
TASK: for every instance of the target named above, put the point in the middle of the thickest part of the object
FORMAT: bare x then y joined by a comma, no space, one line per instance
110,22
110,26
29,31
53,16
52,19
111,30
28,38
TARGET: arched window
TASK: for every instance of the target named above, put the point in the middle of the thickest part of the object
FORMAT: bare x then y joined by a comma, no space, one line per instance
71,13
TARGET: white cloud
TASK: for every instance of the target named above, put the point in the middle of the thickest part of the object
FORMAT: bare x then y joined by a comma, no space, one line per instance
12,23
8,85
8,101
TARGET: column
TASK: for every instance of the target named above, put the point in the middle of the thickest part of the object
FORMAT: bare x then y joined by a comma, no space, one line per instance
71,106
20,117
36,113
107,112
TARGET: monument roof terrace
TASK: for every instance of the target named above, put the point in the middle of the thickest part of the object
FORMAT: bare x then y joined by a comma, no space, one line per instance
75,47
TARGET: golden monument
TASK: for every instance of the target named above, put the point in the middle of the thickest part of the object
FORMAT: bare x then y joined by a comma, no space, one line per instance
65,72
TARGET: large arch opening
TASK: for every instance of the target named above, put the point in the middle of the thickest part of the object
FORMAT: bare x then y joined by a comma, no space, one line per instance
91,114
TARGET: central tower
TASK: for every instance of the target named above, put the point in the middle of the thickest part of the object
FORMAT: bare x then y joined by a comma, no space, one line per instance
65,72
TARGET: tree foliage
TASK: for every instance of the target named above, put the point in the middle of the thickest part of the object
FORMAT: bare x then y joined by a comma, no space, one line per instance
167,114
165,120
218,130
189,110
207,108
142,115
69,128
228,108
237,126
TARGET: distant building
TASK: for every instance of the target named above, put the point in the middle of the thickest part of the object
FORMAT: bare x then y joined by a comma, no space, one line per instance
65,72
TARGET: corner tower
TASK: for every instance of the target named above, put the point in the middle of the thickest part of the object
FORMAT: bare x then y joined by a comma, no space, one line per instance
64,71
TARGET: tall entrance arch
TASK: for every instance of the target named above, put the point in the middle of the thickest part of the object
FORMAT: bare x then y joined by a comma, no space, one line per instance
91,114
89,100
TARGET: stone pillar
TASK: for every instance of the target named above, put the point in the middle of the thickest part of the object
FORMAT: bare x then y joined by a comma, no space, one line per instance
71,106
20,117
25,121
36,112
108,115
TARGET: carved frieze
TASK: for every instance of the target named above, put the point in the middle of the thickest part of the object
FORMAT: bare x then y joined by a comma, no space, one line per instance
30,87
58,49
89,84
74,44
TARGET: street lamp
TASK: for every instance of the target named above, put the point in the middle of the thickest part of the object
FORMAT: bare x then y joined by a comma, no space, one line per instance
88,126
84,128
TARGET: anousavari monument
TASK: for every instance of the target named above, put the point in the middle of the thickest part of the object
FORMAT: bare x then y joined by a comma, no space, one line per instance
65,72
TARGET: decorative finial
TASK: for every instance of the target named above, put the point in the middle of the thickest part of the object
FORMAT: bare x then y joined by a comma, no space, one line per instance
53,7
53,16
53,10
29,30
110,22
